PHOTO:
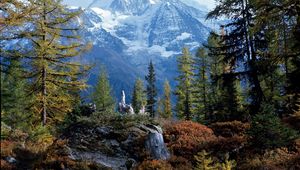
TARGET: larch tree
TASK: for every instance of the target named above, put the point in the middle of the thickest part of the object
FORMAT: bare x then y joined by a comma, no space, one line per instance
151,90
138,97
102,95
52,71
55,44
167,105
14,15
184,87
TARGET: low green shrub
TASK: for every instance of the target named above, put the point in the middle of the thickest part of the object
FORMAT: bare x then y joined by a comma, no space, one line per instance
267,131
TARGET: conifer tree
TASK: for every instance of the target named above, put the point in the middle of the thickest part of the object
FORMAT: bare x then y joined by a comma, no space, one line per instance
14,13
229,96
242,45
160,107
53,74
151,90
138,97
216,66
102,94
167,107
201,85
45,25
184,88
14,99
204,161
278,20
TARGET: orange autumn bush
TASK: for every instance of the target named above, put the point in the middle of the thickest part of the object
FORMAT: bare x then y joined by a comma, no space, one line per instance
7,147
229,129
154,165
224,145
6,166
186,138
180,163
277,159
292,121
297,145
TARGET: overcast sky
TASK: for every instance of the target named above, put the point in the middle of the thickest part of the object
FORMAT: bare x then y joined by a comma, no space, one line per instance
209,4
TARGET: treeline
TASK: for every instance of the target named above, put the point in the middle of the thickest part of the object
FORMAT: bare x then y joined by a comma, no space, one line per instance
251,66
41,81
145,98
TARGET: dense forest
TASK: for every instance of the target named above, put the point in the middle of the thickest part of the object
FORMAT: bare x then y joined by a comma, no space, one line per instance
237,97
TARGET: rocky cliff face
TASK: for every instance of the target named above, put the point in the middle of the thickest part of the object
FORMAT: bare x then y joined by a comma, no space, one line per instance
116,148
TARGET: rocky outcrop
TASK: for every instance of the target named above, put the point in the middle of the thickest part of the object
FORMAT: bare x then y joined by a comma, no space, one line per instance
123,107
116,148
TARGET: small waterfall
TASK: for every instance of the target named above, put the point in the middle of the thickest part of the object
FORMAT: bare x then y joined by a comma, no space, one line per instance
155,143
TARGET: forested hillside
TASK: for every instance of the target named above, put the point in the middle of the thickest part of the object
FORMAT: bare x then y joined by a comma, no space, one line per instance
237,98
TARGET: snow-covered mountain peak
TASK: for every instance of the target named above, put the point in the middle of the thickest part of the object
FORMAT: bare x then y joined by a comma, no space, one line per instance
158,27
127,34
129,6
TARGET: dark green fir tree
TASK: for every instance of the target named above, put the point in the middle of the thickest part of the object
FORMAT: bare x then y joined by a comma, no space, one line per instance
151,90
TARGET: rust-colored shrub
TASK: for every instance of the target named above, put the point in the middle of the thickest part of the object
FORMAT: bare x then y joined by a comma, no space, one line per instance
18,135
292,121
229,129
224,145
154,165
186,138
277,159
180,163
7,147
6,166
56,157
297,145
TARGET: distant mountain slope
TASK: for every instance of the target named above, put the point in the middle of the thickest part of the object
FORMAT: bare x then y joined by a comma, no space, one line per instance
127,34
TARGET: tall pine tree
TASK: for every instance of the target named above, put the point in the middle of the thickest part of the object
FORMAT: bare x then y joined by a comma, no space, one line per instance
102,96
242,45
53,74
14,100
151,90
216,70
280,20
184,88
138,97
201,85
167,105
48,42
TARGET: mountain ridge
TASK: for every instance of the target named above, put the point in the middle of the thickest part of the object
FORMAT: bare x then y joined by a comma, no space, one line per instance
149,30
